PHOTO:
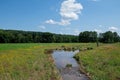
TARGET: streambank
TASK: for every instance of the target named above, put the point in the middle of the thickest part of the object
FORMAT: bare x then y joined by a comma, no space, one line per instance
67,65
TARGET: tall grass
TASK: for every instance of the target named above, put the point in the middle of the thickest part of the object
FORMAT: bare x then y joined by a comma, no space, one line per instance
101,63
26,62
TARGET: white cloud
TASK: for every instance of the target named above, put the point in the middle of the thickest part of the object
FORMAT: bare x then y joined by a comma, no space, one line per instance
113,29
70,10
42,27
50,21
64,22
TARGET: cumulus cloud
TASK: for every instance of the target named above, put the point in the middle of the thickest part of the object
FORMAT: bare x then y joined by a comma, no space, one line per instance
113,29
69,11
63,22
50,21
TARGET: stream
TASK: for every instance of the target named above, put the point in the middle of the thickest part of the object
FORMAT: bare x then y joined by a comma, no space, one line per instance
62,59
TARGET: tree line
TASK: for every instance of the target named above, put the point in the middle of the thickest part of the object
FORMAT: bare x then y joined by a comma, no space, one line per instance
17,36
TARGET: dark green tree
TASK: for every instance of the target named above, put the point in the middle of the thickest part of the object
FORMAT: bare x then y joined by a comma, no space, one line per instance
88,36
47,37
109,37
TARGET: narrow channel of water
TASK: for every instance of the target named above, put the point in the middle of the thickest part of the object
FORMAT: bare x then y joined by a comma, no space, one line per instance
63,58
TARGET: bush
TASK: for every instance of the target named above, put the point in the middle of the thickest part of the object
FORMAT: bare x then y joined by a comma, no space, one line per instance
69,65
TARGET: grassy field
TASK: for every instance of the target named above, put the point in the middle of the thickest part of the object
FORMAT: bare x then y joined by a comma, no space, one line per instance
101,63
28,61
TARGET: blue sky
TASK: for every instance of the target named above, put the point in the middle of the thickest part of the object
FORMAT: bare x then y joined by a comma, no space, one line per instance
60,16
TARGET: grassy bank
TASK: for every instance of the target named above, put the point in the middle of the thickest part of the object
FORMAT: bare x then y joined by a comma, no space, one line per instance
101,63
28,61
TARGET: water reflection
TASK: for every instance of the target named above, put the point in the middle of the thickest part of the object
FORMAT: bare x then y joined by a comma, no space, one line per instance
62,58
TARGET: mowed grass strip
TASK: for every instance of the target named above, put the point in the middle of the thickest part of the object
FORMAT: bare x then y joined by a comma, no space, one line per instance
101,63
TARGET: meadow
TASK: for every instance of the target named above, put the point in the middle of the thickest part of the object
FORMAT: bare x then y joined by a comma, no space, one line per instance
29,62
101,63
26,62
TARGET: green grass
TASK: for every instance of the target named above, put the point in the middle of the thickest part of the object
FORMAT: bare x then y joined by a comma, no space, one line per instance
11,46
101,63
28,61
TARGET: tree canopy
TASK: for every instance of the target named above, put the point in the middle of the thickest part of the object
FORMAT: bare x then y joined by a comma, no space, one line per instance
17,36
109,37
88,36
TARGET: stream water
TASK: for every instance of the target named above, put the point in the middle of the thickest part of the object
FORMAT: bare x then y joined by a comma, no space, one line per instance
63,58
